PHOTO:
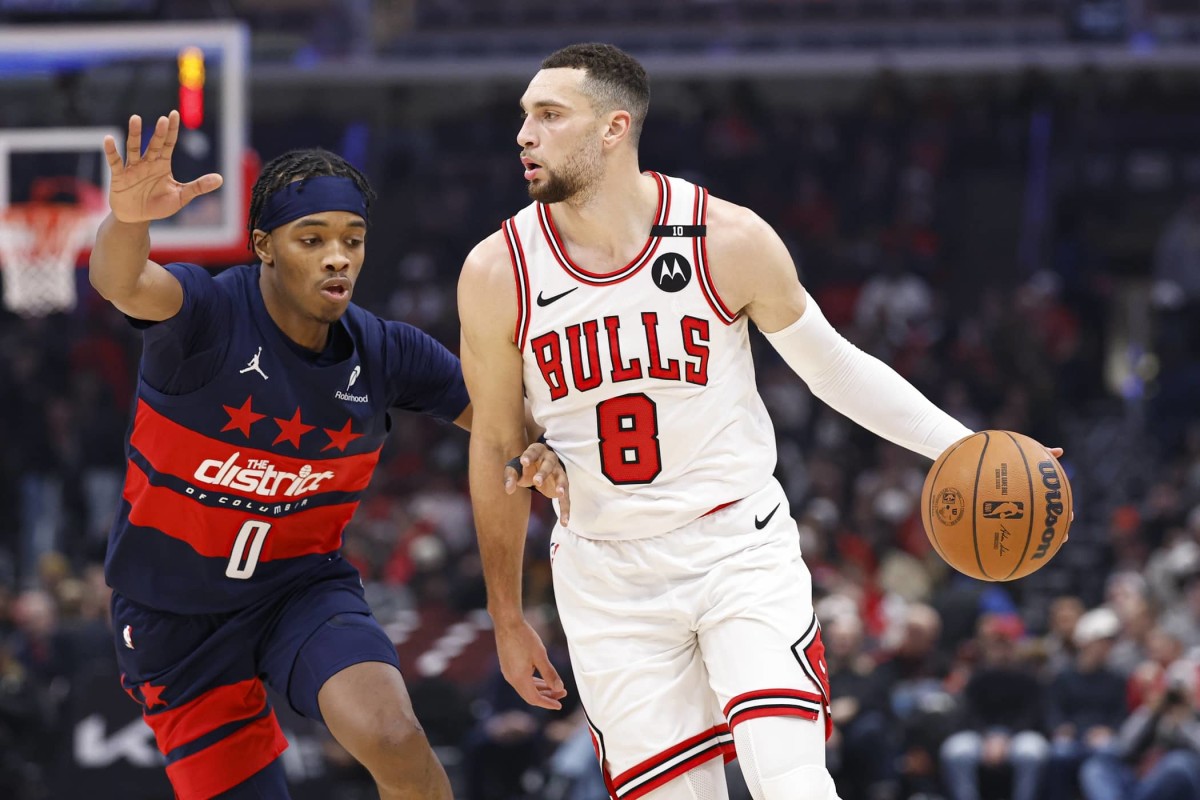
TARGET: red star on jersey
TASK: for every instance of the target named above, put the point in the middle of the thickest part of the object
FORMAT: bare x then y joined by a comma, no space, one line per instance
151,695
292,429
340,439
241,418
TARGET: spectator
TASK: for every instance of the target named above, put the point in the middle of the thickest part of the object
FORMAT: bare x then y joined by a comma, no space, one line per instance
1003,719
573,773
860,754
1177,257
37,643
1156,755
25,723
1086,703
1182,620
920,702
1058,644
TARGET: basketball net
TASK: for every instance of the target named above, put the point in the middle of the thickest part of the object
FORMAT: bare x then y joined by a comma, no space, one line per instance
40,242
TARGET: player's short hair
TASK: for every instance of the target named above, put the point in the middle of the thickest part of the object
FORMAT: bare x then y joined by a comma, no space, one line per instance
296,164
615,79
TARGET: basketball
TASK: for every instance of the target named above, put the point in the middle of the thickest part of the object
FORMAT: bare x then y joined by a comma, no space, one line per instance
996,505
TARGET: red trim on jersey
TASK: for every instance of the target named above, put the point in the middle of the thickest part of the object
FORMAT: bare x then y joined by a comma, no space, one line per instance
696,217
559,250
175,727
212,530
224,764
713,749
175,450
706,283
521,277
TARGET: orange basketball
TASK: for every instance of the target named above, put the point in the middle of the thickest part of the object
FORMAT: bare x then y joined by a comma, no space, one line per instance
996,505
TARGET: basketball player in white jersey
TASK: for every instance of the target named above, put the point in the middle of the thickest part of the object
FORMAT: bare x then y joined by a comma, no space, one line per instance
619,302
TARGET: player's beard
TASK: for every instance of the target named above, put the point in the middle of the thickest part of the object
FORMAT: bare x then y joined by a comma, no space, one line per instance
575,180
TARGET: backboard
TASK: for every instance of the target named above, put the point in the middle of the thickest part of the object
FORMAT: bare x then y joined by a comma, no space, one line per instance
62,87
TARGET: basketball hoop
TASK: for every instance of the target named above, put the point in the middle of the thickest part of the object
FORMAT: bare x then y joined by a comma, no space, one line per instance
40,241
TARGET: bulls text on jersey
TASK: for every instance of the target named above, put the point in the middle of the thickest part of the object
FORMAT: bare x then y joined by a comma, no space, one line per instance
589,371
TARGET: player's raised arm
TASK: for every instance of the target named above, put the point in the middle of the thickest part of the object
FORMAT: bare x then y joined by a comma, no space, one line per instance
754,272
492,367
143,189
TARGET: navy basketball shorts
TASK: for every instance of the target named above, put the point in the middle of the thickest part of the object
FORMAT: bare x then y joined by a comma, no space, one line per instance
200,677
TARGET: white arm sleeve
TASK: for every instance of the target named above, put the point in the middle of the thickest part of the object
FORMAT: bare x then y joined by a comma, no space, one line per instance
862,387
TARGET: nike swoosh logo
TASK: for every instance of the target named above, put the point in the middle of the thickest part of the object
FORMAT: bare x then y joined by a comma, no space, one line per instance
762,523
545,301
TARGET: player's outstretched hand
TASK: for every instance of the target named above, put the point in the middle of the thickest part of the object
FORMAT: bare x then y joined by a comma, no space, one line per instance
522,654
143,188
542,470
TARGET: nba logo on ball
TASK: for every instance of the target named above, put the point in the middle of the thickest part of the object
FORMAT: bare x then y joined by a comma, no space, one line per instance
950,506
1015,496
1003,509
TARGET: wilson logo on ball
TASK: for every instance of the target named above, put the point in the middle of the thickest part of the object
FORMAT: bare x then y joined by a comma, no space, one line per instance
1054,506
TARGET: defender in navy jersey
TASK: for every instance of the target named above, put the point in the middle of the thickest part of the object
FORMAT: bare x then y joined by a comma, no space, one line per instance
262,406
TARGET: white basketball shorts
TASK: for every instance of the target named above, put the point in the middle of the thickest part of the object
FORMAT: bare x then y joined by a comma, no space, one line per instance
676,639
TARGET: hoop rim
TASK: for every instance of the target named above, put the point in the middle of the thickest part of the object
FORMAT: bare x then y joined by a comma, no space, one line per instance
58,227
30,208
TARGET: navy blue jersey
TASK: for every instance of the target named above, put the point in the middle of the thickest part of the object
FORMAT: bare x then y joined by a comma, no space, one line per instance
247,454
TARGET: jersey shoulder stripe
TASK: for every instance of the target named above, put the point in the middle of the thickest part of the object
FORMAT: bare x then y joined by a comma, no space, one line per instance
700,252
516,255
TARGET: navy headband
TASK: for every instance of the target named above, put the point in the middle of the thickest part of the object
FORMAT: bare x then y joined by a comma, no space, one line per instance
311,196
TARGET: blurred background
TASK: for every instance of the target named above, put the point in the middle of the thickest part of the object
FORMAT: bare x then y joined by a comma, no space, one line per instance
999,198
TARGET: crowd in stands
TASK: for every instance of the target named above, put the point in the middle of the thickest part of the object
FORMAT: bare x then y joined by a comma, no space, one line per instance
939,230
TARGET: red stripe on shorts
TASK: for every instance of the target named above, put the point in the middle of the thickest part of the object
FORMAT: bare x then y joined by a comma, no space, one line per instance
175,727
773,703
223,765
713,747
682,768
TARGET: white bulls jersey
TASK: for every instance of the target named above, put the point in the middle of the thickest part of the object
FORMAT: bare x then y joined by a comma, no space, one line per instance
641,377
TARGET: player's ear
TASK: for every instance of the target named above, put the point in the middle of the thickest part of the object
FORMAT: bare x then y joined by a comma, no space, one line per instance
262,246
619,123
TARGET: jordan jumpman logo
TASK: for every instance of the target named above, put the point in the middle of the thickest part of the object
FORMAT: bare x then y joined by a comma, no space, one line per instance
254,367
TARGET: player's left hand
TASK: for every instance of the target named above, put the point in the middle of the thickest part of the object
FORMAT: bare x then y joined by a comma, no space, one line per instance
540,470
526,666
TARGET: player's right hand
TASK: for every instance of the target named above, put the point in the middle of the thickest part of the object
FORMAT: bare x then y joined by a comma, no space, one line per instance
143,188
522,654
